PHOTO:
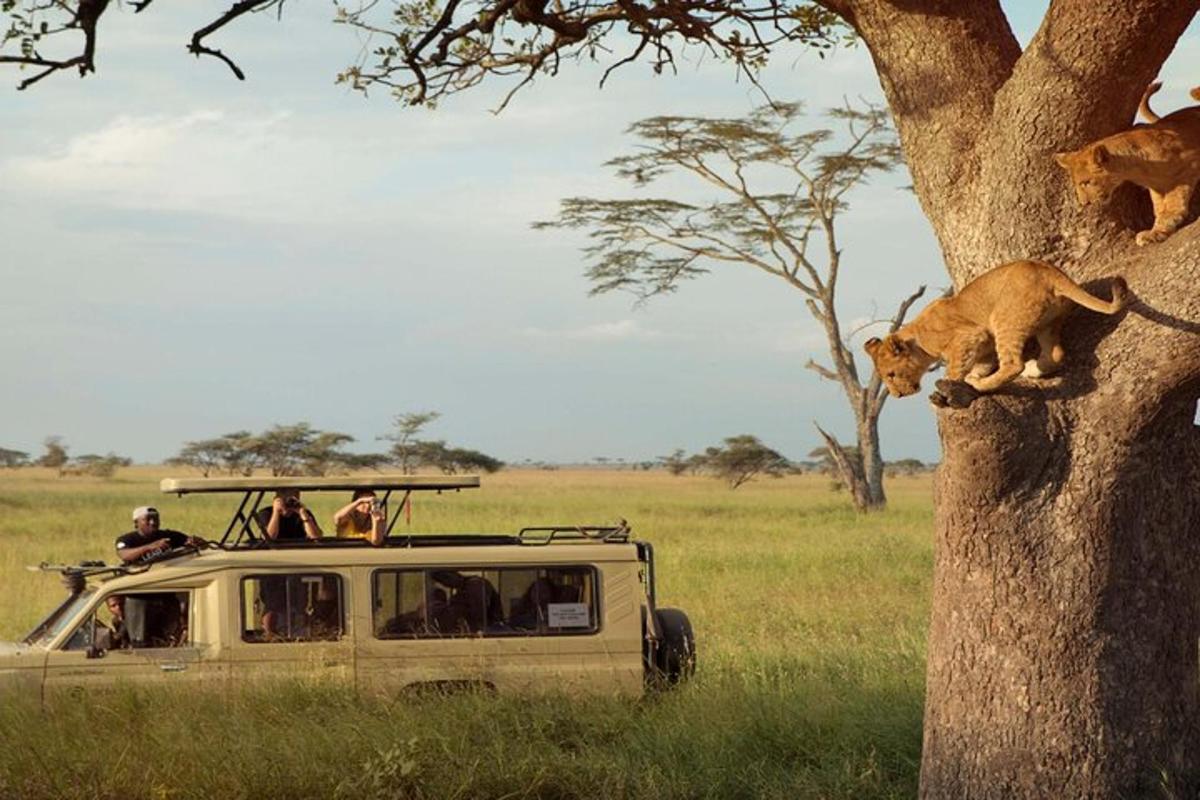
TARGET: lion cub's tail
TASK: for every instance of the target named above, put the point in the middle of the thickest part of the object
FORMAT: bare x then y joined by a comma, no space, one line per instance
1144,106
1076,293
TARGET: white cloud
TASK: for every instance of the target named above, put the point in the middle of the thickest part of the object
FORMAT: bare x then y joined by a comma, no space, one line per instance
618,331
796,337
196,161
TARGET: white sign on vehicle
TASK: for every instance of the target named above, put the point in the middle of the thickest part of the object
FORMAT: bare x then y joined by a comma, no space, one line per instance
568,615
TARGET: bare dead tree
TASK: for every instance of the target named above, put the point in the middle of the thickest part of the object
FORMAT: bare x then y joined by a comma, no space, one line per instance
649,246
1062,655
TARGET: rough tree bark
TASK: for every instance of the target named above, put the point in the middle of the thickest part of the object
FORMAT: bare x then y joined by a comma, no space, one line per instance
1063,645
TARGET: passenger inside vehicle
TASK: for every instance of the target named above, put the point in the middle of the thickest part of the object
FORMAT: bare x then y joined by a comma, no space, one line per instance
155,619
165,622
295,608
324,611
473,606
420,619
530,608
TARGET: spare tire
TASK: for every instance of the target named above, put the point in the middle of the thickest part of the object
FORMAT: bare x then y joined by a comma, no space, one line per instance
675,657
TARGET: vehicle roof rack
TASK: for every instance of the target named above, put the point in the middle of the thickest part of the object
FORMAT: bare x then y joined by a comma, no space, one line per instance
407,540
533,536
254,490
402,483
597,533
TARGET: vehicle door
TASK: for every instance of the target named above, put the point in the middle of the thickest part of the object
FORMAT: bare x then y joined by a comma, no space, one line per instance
139,638
570,625
292,624
422,626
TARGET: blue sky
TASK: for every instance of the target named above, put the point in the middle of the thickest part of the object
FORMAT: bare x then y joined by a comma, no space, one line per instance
186,255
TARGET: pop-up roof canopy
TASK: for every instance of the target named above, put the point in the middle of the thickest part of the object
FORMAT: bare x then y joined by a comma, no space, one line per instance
255,489
383,483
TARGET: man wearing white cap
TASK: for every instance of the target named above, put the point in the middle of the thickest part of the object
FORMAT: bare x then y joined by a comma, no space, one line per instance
148,538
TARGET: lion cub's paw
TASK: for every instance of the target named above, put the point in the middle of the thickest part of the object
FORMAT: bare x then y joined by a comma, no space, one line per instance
953,394
1033,370
1151,236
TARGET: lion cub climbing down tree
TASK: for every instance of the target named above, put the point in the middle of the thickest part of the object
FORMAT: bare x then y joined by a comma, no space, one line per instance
981,332
1163,157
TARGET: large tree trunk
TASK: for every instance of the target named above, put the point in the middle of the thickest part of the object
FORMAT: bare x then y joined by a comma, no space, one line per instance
1063,647
1064,636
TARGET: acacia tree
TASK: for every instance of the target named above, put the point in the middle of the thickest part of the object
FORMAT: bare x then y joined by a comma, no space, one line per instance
783,191
406,448
299,449
205,455
12,459
55,456
1062,654
744,458
676,463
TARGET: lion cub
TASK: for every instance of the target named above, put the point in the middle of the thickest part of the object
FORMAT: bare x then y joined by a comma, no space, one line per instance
1163,157
981,332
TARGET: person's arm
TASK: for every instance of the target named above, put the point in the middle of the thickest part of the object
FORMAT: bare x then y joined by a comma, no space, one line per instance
134,553
378,527
311,529
272,530
344,512
181,539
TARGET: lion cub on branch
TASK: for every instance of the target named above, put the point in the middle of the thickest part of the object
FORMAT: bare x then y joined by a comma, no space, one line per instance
981,332
1163,157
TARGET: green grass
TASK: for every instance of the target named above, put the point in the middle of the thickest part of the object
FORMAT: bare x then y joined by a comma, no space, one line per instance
810,623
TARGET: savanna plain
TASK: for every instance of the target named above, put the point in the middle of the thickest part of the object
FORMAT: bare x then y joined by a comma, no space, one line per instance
810,622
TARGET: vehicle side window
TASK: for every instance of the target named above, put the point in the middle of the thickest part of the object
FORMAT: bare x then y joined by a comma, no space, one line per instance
514,601
293,608
554,601
81,639
135,621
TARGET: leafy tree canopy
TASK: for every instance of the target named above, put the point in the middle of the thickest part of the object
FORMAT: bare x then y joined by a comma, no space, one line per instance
13,458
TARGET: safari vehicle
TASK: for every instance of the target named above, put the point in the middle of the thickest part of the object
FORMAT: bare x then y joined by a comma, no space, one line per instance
561,606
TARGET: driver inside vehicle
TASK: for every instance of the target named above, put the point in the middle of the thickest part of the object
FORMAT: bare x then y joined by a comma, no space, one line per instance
118,633
148,539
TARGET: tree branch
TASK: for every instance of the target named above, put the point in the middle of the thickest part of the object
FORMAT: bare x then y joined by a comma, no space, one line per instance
824,372
84,17
941,111
852,473
430,56
198,48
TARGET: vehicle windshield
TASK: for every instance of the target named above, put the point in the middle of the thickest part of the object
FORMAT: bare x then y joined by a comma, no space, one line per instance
53,624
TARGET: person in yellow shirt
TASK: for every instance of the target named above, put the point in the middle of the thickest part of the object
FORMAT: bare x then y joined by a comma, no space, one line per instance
362,518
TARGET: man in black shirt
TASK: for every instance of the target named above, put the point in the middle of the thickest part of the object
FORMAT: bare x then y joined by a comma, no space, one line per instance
288,519
149,539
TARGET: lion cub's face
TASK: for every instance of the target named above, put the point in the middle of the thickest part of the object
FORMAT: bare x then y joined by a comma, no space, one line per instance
898,364
1090,171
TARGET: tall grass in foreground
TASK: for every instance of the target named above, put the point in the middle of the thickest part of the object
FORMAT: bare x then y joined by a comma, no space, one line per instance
810,622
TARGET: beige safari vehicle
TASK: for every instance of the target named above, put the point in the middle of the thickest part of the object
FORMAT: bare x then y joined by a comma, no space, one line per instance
561,607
